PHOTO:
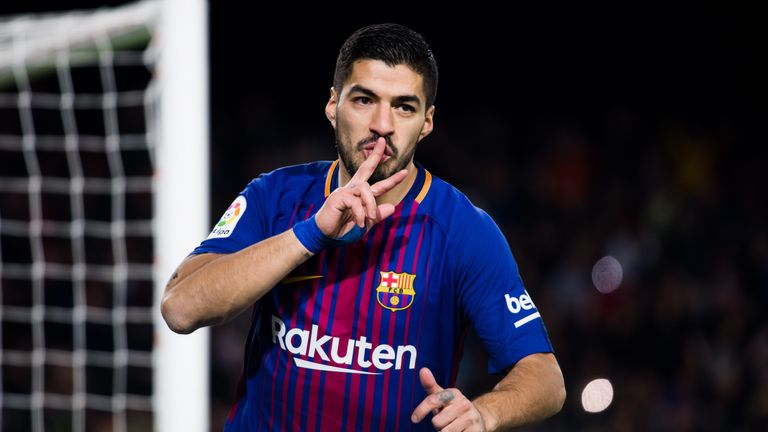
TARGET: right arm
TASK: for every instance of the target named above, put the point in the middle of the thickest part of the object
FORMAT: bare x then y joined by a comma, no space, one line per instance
210,289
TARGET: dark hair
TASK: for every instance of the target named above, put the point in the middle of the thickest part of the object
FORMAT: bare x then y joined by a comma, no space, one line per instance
393,44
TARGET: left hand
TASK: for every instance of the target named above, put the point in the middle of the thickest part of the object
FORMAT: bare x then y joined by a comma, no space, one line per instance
451,410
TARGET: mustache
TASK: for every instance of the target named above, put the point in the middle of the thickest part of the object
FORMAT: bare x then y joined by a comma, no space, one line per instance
372,140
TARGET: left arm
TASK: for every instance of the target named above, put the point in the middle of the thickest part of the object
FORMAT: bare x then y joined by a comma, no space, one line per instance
491,294
531,391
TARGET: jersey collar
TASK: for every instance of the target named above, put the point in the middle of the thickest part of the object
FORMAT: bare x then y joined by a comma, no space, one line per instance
418,191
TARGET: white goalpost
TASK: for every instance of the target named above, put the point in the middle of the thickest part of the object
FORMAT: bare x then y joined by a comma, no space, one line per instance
182,206
103,191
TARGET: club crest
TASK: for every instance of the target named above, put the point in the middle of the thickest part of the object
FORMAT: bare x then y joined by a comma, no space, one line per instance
395,291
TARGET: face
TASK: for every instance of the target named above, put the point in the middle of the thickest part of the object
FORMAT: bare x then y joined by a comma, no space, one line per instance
379,101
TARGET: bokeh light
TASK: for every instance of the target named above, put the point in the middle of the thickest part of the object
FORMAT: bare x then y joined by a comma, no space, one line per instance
597,395
607,274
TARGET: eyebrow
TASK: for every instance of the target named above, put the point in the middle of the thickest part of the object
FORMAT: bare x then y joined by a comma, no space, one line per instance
370,93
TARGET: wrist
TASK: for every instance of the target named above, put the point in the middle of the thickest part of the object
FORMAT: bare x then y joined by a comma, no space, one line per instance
312,238
490,422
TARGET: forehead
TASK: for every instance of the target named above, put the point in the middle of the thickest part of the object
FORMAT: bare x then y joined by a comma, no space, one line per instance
385,80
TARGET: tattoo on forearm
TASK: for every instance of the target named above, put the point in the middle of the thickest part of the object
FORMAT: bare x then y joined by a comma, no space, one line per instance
173,276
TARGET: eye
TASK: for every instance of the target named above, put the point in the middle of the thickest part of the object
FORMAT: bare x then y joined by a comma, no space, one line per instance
362,100
407,108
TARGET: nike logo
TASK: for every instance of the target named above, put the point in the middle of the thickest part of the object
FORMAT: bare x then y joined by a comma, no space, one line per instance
294,279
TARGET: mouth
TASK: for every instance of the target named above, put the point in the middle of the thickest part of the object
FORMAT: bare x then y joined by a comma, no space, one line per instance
386,156
368,149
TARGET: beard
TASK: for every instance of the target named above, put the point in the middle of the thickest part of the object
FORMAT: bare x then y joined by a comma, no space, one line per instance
395,163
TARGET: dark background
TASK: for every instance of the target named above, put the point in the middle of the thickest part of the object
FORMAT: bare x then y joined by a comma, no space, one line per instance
584,132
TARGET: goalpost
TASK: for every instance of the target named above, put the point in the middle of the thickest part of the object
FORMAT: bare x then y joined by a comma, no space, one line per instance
182,207
103,191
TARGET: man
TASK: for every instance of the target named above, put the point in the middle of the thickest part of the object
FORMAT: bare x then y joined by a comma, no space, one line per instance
364,274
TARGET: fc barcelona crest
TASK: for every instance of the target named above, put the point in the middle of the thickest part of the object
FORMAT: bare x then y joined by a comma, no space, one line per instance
395,291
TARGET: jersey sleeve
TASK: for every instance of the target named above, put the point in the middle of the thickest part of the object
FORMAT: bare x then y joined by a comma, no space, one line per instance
493,297
242,223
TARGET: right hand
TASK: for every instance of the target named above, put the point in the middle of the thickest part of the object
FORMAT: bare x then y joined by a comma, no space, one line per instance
355,203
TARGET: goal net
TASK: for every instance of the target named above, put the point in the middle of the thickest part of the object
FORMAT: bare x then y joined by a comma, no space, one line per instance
87,232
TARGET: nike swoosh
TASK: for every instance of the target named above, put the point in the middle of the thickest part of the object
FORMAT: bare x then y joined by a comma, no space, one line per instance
294,279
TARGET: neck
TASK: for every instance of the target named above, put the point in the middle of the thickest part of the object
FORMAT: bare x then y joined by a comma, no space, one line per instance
394,195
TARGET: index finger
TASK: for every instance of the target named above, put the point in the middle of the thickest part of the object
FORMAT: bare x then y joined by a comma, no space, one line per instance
369,165
436,398
433,403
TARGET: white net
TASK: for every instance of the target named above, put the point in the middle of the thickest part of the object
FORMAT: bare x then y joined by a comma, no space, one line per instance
77,138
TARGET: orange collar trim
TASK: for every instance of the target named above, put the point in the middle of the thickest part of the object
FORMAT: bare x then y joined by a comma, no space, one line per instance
425,187
419,198
329,177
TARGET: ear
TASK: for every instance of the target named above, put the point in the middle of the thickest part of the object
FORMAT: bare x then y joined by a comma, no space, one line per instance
428,123
330,108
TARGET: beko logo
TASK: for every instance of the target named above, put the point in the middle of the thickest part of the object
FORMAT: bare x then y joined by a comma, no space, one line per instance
522,303
516,304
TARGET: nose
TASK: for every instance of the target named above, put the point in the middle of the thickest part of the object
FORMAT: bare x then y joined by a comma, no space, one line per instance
382,121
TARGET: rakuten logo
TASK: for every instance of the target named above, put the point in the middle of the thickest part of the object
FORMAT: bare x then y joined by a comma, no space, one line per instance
309,344
522,303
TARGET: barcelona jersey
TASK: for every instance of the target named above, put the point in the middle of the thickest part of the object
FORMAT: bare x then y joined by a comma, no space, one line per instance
338,344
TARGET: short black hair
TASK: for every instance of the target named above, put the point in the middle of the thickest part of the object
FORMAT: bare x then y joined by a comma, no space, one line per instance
393,44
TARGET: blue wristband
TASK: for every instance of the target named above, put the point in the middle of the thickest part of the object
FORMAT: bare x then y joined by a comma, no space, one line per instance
314,240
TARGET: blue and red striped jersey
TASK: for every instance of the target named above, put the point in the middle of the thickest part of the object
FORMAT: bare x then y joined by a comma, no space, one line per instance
338,344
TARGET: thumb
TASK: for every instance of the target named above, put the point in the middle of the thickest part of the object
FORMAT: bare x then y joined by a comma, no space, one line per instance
428,381
384,211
